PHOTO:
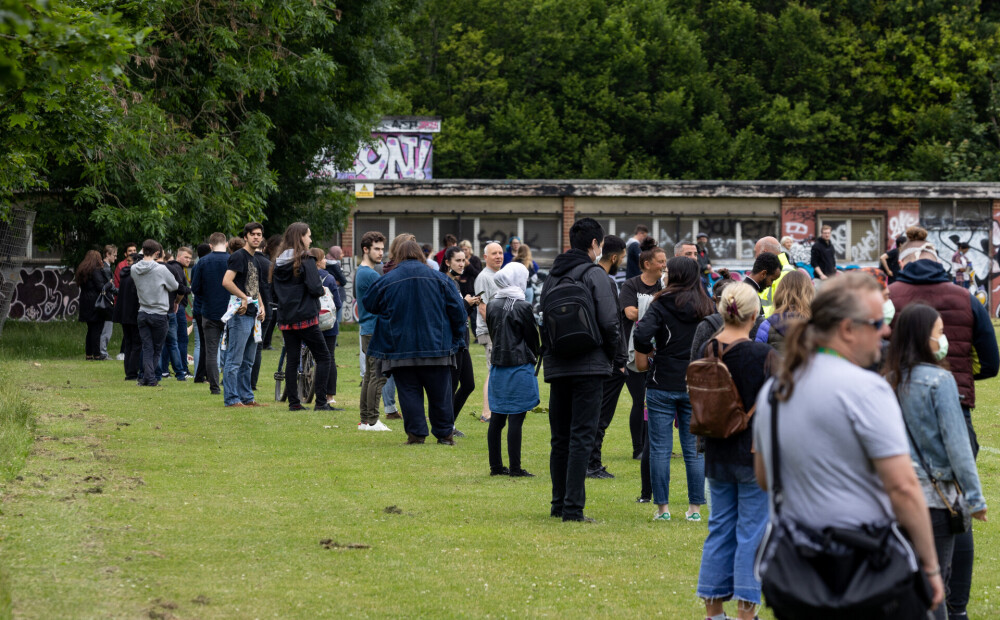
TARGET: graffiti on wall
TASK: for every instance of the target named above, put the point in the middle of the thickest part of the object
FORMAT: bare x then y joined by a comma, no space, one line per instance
347,311
45,295
799,224
899,221
387,156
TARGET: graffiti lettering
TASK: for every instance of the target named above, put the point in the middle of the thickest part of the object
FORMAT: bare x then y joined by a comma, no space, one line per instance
796,230
389,156
45,295
899,223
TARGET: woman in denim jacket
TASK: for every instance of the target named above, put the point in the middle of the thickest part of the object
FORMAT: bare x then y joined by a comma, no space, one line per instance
928,396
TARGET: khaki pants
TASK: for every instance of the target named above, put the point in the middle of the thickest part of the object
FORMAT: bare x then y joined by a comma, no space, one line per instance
371,385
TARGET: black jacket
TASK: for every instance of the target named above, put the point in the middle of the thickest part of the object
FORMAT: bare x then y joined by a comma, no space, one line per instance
597,362
263,264
297,296
466,284
513,332
823,256
674,329
89,292
127,306
183,289
337,272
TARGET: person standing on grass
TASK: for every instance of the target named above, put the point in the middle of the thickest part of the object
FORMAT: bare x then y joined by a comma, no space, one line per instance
206,284
262,259
739,506
130,250
330,335
612,253
91,278
932,412
823,256
372,249
176,320
671,321
297,289
577,381
463,377
110,256
485,289
242,280
126,312
421,320
200,368
513,386
652,262
155,286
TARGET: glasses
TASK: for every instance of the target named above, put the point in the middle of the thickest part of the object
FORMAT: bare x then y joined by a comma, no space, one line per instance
876,323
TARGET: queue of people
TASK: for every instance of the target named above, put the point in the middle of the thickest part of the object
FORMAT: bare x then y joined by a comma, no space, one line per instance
856,450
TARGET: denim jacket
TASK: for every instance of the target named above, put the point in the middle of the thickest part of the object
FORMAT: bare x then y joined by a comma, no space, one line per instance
933,415
420,314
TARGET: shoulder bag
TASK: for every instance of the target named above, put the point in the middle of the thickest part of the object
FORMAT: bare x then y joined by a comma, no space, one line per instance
866,572
959,517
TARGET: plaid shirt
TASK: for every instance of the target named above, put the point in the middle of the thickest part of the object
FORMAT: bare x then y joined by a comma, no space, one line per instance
300,325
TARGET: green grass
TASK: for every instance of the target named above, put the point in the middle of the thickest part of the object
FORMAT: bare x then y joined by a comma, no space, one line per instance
161,503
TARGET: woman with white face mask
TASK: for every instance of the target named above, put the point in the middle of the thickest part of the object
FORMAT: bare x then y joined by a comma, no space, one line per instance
939,444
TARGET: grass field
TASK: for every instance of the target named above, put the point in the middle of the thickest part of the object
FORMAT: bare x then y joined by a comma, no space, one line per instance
160,503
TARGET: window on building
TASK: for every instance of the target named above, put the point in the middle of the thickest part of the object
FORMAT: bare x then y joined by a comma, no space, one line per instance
365,224
542,236
855,239
673,231
462,229
420,227
937,214
496,229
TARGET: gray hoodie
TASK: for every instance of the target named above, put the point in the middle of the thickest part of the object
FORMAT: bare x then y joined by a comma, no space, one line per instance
153,283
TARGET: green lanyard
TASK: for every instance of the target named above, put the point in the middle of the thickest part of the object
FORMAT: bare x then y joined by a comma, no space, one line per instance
830,351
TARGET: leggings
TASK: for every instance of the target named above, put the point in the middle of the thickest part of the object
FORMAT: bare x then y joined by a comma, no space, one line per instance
647,481
93,341
497,422
331,381
636,383
463,379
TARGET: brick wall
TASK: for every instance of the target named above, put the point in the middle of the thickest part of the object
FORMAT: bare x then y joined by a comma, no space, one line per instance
798,215
347,237
568,218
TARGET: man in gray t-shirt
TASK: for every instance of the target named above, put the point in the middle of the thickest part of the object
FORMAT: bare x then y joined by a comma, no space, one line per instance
845,458
486,288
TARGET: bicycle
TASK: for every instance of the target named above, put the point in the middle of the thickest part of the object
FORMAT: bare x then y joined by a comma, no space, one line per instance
306,381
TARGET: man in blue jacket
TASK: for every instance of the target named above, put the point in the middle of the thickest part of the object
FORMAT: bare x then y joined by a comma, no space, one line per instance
206,284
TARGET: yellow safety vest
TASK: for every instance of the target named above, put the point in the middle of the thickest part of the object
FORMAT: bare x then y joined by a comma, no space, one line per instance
767,295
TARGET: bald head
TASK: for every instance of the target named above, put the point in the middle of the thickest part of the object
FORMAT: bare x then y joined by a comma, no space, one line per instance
766,244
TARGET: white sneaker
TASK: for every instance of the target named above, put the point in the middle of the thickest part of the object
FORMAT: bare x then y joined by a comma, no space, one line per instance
379,426
120,357
364,427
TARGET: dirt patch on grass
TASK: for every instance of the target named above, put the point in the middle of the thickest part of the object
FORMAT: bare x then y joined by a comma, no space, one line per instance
392,510
329,543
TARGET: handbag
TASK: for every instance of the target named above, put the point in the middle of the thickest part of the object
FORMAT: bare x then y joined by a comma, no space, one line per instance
959,515
866,572
106,298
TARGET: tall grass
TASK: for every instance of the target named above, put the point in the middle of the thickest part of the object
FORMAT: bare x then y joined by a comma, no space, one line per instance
16,429
52,340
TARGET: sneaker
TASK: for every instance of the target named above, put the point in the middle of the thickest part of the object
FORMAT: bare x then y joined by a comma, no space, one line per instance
694,516
521,473
363,427
457,433
600,473
214,391
580,519
665,516
503,471
325,407
296,408
120,357
643,500
379,426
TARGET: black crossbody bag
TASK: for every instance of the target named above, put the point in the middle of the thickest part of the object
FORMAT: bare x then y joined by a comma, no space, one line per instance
959,517
866,572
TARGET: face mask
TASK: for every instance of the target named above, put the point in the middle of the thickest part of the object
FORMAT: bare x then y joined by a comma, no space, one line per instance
888,311
943,348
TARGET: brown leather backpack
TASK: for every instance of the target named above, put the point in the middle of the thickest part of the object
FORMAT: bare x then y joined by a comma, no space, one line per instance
716,406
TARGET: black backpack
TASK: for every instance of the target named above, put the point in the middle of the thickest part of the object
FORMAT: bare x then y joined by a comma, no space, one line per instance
569,318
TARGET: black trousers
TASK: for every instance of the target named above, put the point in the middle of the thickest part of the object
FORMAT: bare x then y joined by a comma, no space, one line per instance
963,556
132,349
331,379
644,475
574,411
210,352
636,382
255,371
270,320
313,339
200,374
463,380
497,422
92,344
411,383
609,402
153,333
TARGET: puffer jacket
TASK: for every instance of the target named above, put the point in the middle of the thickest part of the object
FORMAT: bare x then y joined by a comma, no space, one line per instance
966,322
513,332
297,295
599,361
420,314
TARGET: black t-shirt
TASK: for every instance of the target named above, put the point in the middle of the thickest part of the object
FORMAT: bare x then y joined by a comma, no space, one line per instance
892,259
247,274
263,264
629,296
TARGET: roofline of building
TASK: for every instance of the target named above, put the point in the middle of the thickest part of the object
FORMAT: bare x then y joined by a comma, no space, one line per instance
681,189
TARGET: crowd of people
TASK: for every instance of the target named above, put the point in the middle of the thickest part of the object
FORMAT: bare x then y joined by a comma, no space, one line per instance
875,383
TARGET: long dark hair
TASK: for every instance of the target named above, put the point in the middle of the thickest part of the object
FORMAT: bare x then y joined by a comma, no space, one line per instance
92,262
292,240
448,255
910,343
684,285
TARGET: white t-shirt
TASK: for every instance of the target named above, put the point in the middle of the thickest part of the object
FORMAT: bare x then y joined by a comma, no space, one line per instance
839,419
489,288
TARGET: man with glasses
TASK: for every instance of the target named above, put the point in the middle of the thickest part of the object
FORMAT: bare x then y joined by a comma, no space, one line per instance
922,278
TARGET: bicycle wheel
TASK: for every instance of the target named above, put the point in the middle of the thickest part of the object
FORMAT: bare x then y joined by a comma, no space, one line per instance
307,376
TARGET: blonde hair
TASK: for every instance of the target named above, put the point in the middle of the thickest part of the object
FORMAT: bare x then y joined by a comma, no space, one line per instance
523,255
795,293
738,304
397,243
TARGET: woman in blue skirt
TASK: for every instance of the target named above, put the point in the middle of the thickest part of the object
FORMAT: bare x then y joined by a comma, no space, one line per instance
513,389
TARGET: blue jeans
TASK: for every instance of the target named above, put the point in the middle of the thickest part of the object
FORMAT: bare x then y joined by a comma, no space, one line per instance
735,527
171,355
389,395
663,408
241,350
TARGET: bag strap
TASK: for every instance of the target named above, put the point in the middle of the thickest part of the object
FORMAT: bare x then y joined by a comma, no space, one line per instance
776,488
927,469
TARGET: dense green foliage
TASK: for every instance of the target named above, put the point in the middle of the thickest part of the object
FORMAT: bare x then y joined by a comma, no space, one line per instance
174,118
727,89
